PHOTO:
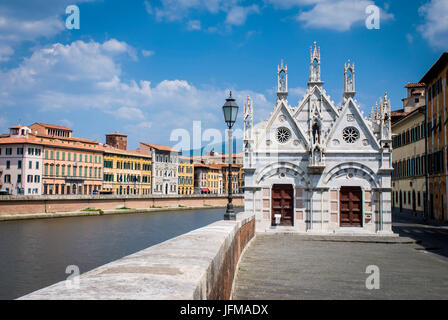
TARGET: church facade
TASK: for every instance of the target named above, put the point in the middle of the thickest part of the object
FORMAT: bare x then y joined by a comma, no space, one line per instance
317,167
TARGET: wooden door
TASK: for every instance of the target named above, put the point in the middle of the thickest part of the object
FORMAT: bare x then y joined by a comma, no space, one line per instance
282,203
351,206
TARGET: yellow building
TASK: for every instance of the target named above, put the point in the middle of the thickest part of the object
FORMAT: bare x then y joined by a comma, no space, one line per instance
408,177
237,174
186,175
125,171
213,178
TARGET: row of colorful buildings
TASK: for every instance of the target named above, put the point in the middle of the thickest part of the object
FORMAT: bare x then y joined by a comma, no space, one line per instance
45,159
420,146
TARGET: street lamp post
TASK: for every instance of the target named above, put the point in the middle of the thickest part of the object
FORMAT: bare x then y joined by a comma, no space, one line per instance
230,110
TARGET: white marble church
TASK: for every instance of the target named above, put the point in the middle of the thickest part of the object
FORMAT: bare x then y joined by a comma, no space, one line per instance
317,167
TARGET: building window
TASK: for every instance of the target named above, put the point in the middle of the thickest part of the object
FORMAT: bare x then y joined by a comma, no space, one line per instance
283,134
8,164
19,164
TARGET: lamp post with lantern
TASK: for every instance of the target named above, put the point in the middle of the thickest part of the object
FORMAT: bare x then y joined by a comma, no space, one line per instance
230,110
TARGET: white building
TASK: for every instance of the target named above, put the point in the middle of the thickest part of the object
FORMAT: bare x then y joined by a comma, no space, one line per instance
21,162
165,166
316,167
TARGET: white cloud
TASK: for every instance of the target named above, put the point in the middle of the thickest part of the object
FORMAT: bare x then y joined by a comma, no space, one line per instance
435,26
194,25
148,7
339,15
15,30
25,20
288,4
237,14
30,20
5,52
179,10
128,113
87,76
148,53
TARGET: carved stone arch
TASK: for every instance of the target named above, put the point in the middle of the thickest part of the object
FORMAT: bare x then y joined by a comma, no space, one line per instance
354,168
283,167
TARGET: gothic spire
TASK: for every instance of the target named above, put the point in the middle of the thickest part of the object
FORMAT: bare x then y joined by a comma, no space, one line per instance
282,81
314,78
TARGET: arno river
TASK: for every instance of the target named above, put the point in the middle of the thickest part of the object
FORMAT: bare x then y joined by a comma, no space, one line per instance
36,253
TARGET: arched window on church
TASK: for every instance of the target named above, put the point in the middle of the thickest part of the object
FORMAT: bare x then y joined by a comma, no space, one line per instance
316,132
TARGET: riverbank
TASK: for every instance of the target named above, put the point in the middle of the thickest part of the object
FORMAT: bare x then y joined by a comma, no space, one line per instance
99,212
49,206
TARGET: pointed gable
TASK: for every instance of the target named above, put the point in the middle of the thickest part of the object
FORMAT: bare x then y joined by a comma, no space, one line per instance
315,103
351,131
282,118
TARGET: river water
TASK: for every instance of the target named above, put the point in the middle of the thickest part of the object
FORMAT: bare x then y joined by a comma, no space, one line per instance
35,253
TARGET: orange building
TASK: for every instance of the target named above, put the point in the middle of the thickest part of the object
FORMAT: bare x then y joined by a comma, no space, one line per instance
70,165
436,80
237,178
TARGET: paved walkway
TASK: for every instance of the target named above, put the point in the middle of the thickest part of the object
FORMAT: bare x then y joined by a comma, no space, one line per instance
284,266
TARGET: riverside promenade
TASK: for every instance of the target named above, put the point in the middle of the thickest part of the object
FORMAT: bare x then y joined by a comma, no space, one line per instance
199,264
296,267
227,260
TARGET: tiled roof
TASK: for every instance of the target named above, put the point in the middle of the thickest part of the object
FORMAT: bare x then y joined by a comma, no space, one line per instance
10,140
53,126
82,140
32,139
110,149
159,147
415,85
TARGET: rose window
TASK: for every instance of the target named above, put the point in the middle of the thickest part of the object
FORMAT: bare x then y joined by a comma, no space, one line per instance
283,134
350,134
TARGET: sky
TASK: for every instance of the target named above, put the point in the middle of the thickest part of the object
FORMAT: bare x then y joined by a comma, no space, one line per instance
160,71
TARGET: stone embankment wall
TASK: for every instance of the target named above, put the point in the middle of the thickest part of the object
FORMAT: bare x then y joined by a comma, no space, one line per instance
11,205
197,265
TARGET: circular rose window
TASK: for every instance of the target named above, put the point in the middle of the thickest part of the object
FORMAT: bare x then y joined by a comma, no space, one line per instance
283,134
350,134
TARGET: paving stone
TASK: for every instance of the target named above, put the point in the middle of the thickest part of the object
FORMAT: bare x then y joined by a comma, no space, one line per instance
281,266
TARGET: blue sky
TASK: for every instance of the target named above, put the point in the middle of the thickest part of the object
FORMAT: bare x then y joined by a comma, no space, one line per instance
146,68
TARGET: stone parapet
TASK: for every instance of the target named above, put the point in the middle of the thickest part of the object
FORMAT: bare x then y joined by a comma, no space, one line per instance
197,265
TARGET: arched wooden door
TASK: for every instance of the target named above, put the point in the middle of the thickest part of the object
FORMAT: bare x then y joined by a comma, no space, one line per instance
351,206
282,203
